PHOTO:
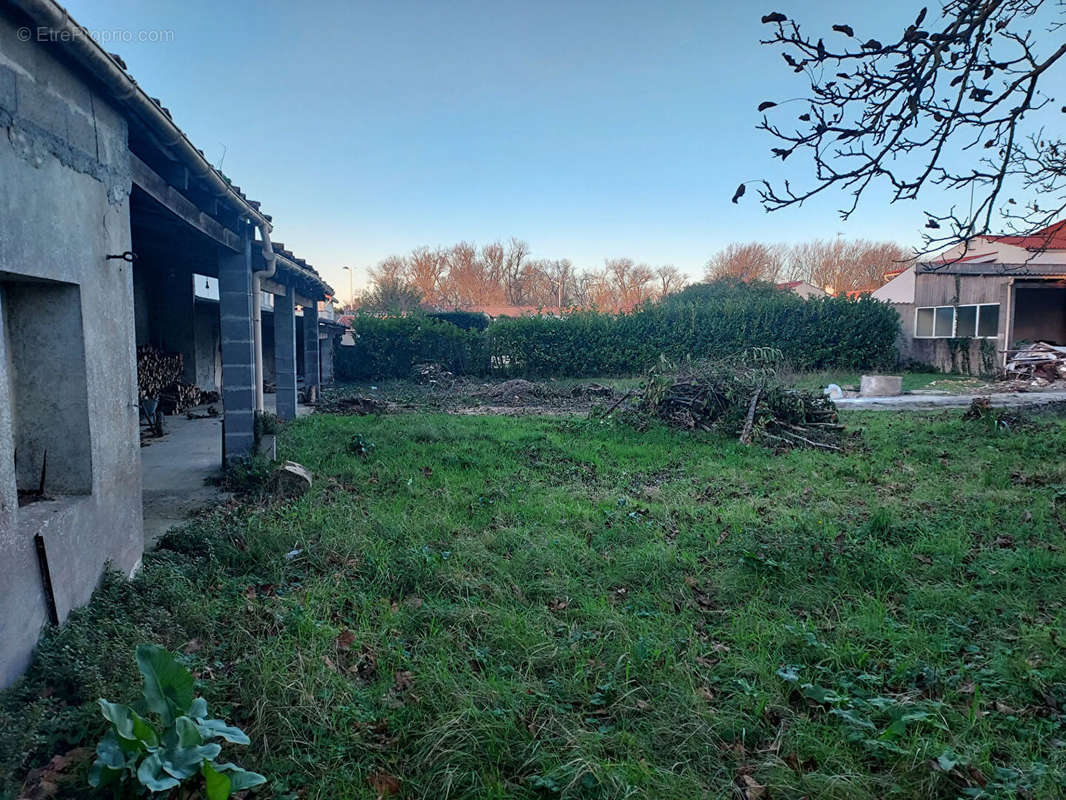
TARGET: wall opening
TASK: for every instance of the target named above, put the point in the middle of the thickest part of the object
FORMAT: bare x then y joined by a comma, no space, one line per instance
46,388
1040,315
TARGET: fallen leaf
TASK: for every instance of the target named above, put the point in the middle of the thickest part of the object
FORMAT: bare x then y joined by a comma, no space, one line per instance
923,558
559,603
413,602
191,646
384,784
723,536
706,693
752,789
403,679
345,640
329,663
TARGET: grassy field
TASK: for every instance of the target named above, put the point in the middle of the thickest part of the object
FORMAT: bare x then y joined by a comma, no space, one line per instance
482,607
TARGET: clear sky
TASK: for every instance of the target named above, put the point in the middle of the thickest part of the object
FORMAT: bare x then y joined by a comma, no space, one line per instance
590,129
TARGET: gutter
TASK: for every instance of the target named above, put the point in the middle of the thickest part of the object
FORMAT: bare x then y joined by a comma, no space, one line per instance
125,90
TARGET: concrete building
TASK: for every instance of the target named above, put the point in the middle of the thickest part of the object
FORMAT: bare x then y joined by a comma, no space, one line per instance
962,311
107,211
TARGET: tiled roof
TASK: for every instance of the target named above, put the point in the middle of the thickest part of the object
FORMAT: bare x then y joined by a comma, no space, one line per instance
1053,237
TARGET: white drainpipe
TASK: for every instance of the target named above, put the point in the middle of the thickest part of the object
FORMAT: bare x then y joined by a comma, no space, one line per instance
257,312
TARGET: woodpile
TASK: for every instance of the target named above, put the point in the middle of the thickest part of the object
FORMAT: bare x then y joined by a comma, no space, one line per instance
178,396
158,379
156,371
743,397
1037,361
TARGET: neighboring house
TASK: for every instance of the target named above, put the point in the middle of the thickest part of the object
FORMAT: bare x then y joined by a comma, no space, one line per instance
965,309
803,289
107,212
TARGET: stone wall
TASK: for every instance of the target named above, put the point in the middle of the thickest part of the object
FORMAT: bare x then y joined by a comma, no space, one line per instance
64,206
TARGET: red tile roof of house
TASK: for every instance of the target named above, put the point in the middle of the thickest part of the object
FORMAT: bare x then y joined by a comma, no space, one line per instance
1053,237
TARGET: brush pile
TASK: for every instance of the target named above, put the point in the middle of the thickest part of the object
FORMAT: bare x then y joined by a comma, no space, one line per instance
156,371
1039,362
744,397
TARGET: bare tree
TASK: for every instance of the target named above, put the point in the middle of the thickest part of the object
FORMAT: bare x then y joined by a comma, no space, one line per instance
390,292
425,269
842,265
671,279
952,101
514,259
751,261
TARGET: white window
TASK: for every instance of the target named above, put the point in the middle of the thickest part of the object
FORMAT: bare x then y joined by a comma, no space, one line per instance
980,321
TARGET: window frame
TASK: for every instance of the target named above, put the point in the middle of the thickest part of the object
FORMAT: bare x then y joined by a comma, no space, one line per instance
955,320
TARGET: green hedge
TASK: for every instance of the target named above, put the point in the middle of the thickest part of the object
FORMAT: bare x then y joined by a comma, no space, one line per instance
704,321
467,320
390,347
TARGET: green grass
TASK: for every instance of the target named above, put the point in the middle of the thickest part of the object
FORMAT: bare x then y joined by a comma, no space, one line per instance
527,608
945,382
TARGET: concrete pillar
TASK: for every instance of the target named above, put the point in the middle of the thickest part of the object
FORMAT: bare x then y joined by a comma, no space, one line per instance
285,353
311,364
235,320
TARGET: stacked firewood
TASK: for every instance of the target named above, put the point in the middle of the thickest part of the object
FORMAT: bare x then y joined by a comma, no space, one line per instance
156,371
178,396
742,397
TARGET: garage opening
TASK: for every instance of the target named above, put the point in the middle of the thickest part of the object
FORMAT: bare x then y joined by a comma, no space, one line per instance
1040,315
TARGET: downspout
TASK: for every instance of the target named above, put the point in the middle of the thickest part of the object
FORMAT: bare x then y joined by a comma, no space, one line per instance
257,312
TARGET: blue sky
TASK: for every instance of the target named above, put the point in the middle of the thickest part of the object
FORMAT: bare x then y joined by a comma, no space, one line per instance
589,129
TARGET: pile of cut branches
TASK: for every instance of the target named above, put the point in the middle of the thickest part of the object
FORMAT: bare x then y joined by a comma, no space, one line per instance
742,396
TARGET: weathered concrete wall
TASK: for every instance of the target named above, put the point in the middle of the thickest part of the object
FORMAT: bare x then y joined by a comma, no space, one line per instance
208,356
64,206
977,356
326,344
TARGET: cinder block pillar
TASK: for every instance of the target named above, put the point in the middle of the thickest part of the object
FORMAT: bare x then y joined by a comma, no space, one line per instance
285,353
311,363
235,316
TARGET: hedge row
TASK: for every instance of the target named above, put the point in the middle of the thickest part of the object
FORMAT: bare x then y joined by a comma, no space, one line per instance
705,321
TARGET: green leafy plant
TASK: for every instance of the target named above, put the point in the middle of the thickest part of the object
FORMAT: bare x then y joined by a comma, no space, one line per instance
360,446
137,755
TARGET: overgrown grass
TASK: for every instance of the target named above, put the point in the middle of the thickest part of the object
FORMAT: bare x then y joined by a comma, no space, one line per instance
499,607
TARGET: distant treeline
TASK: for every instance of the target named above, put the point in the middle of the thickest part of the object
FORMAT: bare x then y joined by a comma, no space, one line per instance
707,320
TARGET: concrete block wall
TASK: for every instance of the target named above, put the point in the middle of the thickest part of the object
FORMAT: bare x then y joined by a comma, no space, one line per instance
285,354
64,206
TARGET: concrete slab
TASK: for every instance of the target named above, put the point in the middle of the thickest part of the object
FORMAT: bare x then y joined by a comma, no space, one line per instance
916,402
174,470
